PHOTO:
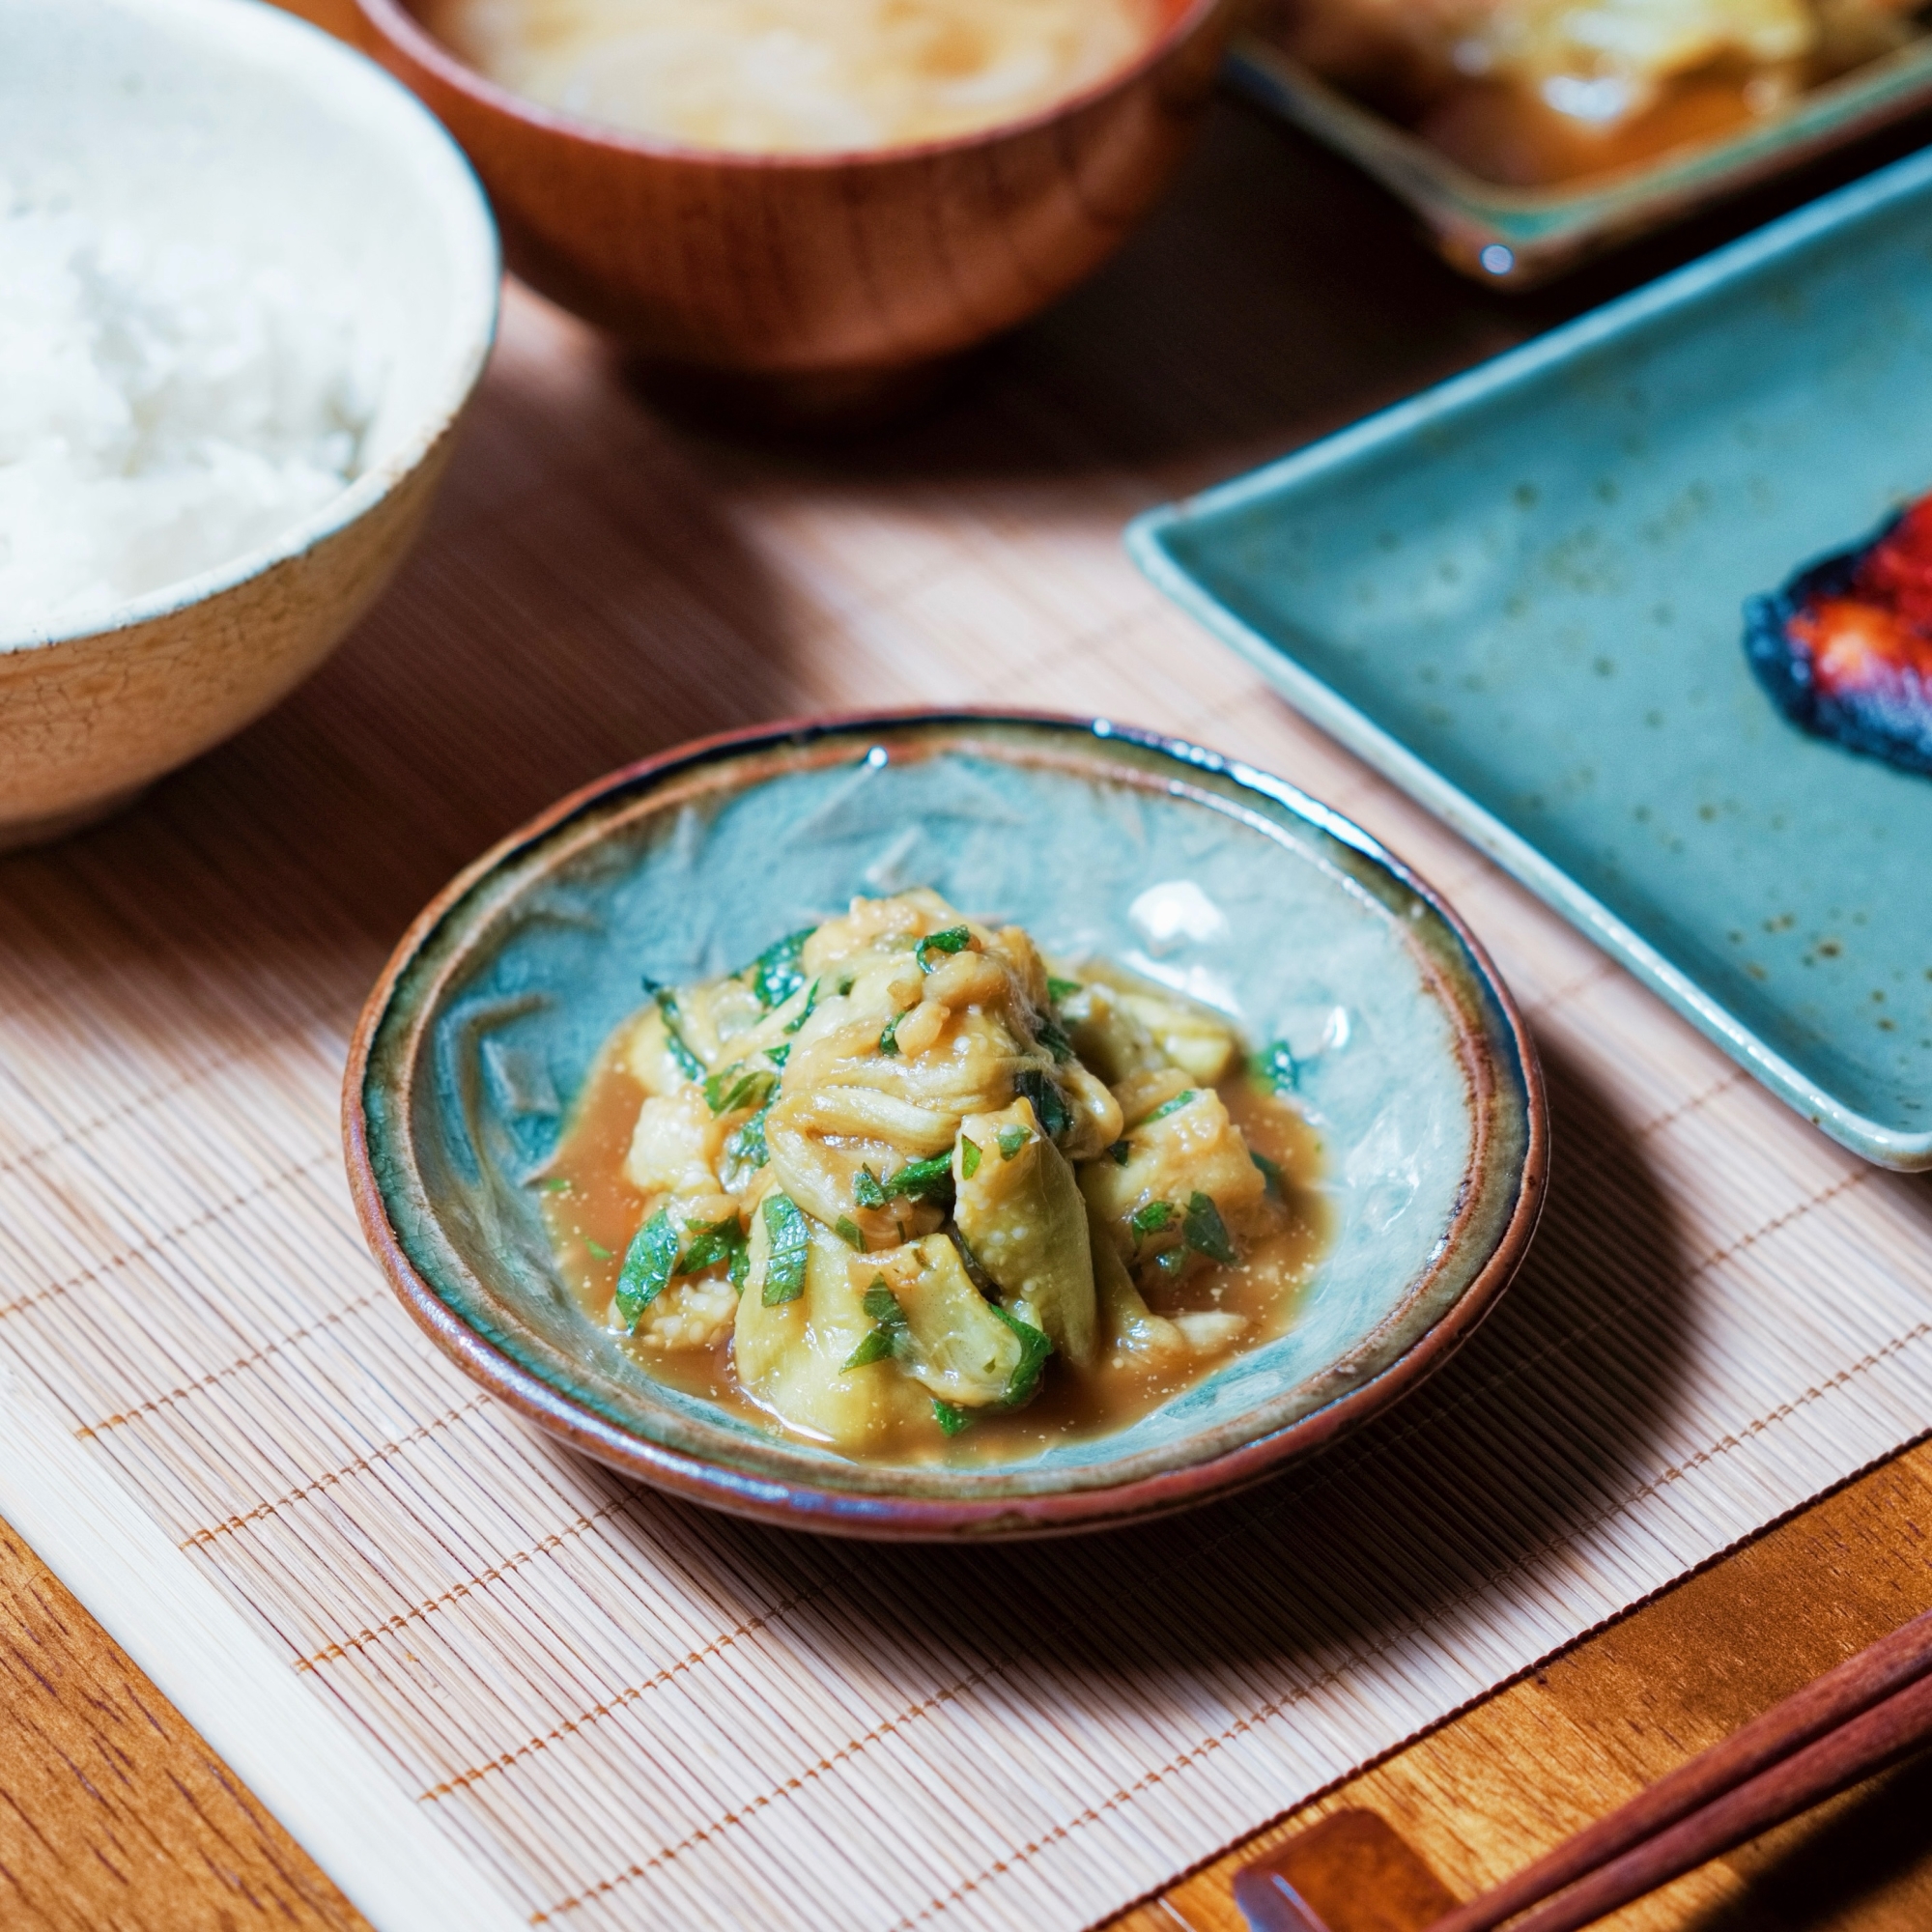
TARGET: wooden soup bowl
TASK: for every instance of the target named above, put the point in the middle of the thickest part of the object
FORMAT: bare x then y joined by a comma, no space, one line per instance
825,279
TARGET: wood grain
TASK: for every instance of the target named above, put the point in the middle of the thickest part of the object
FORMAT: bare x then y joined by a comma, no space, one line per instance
113,1813
1510,1780
819,266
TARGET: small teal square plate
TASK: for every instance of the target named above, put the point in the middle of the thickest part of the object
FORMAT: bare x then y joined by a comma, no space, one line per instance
1520,596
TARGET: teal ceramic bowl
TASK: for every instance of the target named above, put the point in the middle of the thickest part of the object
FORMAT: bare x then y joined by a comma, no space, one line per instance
1414,1065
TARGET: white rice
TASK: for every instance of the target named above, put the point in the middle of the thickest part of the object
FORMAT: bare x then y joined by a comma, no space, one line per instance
164,408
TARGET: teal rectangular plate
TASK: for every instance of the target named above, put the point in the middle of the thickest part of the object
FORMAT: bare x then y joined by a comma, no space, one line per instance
1519,596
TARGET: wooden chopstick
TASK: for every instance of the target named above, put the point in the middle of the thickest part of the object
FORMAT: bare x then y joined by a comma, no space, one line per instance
1871,1710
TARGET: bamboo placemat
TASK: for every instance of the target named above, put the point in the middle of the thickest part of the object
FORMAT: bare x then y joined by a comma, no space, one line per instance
485,1681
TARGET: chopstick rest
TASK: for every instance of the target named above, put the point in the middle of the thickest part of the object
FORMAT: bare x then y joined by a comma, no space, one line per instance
1352,1872
1855,1720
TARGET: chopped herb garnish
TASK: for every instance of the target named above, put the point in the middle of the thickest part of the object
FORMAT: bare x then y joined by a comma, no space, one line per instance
846,985
597,1248
776,974
889,1040
1274,1066
923,1179
1034,1349
883,1305
1011,1140
1271,1174
721,1241
1122,1151
1061,990
734,1089
745,1147
875,1347
1171,1261
1049,1105
648,1263
557,1184
951,1420
868,1190
847,1231
1207,1233
806,1012
969,1157
954,939
792,1243
778,1055
1151,1219
740,1265
688,1063
1173,1106
1053,1037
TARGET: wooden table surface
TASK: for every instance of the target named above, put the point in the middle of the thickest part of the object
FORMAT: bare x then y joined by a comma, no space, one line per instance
114,1813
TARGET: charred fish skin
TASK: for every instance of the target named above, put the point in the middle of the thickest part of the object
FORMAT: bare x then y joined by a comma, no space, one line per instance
1845,648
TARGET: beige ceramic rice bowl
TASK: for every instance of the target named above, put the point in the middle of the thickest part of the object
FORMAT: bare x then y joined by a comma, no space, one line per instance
220,225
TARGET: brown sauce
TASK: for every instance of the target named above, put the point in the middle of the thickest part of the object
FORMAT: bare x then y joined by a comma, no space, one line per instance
592,1211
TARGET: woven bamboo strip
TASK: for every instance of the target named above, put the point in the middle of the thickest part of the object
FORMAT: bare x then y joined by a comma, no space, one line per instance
620,1710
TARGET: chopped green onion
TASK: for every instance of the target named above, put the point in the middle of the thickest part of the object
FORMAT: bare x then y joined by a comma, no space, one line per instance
954,939
557,1184
875,1347
597,1248
868,1190
807,1011
923,1179
1207,1232
1271,1174
951,1420
1034,1349
776,974
969,1157
1050,1104
792,1243
778,1055
1122,1151
1174,1106
1274,1066
688,1063
847,1231
721,1241
648,1263
889,1040
1061,990
1011,1140
846,985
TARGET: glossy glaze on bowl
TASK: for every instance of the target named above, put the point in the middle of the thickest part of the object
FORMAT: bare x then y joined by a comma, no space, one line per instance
818,265
484,1025
282,145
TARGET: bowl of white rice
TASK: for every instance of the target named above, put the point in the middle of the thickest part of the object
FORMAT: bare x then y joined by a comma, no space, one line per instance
250,284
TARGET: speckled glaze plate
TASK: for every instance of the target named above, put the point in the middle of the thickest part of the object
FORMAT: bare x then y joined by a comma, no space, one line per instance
1522,596
1416,1068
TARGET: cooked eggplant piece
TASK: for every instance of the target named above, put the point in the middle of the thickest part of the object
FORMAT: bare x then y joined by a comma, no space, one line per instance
1021,1214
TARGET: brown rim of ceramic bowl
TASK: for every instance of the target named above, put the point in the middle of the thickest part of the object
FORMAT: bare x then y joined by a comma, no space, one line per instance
797,1505
397,24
